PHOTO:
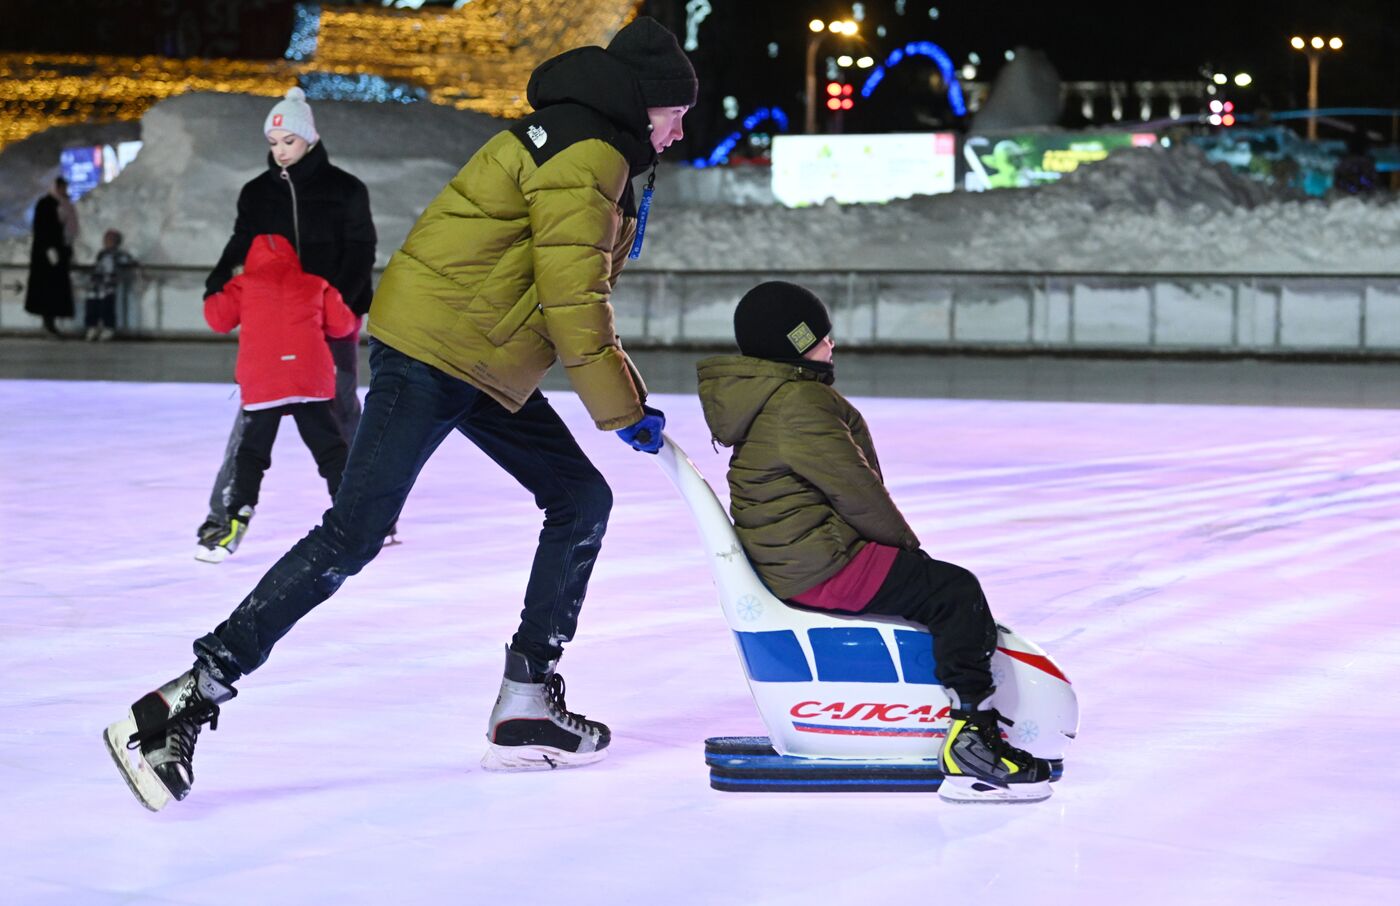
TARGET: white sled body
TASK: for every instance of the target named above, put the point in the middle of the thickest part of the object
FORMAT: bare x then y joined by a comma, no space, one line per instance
855,688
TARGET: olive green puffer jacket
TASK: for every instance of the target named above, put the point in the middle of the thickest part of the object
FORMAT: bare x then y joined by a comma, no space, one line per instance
513,264
805,488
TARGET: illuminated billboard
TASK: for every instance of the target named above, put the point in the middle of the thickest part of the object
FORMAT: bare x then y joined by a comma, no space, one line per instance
856,169
1020,161
88,166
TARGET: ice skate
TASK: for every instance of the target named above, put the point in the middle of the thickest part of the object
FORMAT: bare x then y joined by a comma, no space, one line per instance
980,766
217,543
532,730
153,745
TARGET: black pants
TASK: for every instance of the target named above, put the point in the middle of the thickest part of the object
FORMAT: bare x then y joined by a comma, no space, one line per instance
948,600
345,407
101,311
319,430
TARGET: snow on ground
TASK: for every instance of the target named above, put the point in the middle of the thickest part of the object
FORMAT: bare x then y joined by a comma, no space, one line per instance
1146,209
1141,210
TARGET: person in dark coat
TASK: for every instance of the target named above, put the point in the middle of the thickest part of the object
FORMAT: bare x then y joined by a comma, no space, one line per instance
49,290
324,212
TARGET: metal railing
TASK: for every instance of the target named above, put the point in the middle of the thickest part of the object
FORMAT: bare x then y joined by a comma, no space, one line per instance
1166,312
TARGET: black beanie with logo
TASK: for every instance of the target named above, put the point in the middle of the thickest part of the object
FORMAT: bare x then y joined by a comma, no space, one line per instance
656,59
781,321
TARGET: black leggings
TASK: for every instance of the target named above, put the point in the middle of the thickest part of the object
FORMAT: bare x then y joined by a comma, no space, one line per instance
318,428
948,600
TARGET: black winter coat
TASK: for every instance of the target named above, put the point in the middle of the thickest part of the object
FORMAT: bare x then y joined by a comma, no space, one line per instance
49,290
331,231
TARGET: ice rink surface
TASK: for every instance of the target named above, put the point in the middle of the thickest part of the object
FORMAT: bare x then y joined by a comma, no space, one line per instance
1218,581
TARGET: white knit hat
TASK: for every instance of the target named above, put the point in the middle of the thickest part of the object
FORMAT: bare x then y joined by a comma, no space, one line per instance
293,114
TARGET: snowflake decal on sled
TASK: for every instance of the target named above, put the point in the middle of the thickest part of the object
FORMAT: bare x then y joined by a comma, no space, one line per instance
1027,731
748,608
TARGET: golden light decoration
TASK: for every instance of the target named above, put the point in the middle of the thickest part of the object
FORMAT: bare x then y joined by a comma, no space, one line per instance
477,58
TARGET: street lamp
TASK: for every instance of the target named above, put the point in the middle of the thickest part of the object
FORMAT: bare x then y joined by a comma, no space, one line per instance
1313,50
819,30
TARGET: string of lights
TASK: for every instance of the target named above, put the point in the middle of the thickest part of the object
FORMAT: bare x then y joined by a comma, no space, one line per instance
478,57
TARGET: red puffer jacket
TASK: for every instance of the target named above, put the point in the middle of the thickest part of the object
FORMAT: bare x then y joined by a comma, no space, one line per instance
286,315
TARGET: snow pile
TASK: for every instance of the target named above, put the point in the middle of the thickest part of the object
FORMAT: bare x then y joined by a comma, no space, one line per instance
1149,209
1144,209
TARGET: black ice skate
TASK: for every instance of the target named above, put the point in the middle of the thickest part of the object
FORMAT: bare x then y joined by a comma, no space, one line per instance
980,766
215,545
532,730
153,745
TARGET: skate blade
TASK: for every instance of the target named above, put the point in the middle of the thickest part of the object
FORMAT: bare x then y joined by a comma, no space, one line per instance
512,759
211,555
969,789
138,775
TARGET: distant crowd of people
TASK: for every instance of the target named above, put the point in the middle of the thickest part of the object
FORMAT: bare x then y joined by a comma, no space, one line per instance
48,292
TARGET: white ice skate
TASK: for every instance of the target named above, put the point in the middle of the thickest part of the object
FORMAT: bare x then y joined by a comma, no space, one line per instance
217,548
531,729
153,746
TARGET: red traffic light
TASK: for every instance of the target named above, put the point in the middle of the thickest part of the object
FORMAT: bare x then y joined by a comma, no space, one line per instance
833,89
833,104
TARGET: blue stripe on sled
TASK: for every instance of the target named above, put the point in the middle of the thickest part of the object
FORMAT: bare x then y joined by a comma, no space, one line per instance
852,655
774,657
916,656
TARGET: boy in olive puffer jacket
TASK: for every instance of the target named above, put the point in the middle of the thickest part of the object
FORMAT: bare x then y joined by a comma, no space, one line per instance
508,270
812,512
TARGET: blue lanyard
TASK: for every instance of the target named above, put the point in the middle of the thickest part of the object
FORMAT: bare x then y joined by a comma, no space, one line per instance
642,210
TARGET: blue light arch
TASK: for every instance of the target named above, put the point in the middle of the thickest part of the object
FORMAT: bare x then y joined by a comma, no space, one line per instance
722,150
920,49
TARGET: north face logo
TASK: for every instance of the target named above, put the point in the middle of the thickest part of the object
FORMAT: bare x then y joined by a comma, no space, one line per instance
277,119
537,135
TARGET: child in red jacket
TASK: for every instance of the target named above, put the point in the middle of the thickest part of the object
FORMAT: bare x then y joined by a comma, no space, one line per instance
284,368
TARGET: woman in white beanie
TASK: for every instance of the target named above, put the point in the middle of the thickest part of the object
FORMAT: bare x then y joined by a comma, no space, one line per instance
324,212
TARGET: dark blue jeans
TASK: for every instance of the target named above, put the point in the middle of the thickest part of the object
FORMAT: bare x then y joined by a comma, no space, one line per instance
411,407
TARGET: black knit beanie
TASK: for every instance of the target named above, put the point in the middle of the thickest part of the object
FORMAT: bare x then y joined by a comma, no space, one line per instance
777,320
656,59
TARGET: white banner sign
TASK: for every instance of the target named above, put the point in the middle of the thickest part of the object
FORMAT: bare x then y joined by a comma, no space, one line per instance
854,169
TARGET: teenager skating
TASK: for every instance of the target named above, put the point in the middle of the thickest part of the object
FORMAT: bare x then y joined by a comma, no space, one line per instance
509,269
324,213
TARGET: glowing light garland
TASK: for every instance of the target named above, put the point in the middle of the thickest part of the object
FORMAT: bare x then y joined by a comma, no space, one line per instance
305,27
724,148
478,57
920,49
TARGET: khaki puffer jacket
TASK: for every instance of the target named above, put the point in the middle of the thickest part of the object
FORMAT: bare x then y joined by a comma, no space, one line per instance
805,488
513,264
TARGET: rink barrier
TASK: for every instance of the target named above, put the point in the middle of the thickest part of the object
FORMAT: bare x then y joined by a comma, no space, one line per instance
1249,314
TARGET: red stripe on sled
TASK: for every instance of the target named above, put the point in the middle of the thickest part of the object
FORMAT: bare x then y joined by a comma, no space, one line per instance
1038,661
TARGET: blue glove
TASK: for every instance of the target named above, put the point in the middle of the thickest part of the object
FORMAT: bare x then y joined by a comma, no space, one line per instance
645,435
